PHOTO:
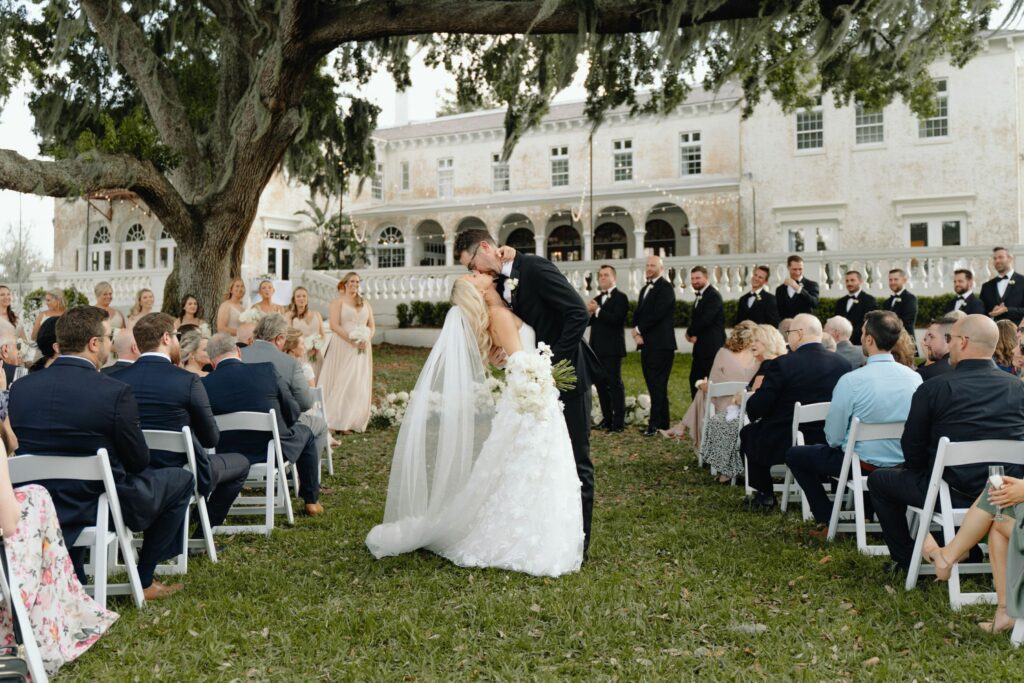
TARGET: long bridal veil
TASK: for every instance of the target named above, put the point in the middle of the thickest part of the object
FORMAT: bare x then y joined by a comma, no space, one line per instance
447,420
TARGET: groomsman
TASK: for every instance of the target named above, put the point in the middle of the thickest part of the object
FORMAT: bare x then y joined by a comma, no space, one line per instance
654,335
902,302
855,305
1003,295
966,301
758,305
796,294
608,311
707,326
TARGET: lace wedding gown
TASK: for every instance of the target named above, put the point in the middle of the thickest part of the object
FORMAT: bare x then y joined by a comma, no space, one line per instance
517,504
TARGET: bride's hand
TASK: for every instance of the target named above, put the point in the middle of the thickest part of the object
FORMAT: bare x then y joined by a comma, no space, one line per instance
497,356
506,254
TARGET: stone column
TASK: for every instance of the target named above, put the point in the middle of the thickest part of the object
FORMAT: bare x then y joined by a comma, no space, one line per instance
694,242
588,246
540,243
449,250
638,241
410,250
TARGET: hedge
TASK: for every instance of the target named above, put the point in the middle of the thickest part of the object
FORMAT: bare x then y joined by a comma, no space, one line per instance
430,314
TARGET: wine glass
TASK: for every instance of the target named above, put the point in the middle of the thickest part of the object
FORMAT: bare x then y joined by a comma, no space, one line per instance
995,481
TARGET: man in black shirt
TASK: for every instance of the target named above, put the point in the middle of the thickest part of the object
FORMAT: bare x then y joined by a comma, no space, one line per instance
936,348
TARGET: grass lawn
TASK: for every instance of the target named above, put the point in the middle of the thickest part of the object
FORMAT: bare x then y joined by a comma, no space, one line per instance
681,585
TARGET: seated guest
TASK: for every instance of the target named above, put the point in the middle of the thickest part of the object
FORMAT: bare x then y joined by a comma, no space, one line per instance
905,350
828,343
9,355
170,398
807,375
193,352
125,350
46,340
270,335
73,410
840,329
245,334
1003,355
975,401
721,448
784,327
6,433
878,392
936,347
295,346
234,386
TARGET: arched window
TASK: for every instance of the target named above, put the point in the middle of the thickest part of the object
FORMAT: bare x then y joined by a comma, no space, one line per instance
521,239
609,242
165,248
135,248
660,238
564,244
101,255
391,248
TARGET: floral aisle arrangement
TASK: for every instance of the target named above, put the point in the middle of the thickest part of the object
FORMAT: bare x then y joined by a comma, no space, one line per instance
389,411
638,409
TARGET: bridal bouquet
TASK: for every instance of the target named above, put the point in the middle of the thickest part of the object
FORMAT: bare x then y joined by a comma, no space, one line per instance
251,316
360,333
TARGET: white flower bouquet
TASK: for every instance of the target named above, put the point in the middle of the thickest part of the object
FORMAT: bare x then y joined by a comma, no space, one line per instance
315,345
360,333
251,316
529,381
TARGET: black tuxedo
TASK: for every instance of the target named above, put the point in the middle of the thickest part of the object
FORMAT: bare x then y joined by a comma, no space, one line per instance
807,375
707,324
864,303
546,301
607,339
73,410
170,398
763,309
974,401
235,387
805,301
654,319
972,305
1013,298
906,309
116,367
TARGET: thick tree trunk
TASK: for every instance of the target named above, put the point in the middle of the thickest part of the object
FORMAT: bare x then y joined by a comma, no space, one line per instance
204,264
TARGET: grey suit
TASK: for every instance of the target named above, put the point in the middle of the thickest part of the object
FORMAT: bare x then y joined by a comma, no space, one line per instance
291,372
852,353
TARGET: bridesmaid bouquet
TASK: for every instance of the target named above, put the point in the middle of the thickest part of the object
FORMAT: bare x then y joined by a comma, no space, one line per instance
360,333
315,345
253,316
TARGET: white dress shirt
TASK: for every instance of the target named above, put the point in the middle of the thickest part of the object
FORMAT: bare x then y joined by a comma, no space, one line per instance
850,302
1001,285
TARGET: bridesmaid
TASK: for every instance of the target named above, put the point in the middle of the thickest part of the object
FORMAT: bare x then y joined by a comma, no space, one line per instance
231,307
347,373
265,305
55,306
8,318
104,295
191,313
144,301
306,321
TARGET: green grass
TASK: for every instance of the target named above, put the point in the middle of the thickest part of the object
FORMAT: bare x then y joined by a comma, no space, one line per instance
681,585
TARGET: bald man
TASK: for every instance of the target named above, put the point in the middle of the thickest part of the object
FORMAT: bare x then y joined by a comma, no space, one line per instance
975,401
654,335
126,351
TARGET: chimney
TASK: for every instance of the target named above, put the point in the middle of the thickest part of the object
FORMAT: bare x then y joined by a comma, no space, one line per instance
401,108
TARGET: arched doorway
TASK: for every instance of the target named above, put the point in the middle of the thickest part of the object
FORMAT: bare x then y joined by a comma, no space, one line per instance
429,244
521,239
518,227
667,231
609,242
564,244
470,223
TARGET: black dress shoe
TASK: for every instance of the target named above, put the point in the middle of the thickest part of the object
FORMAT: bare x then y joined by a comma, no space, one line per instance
650,433
603,424
760,503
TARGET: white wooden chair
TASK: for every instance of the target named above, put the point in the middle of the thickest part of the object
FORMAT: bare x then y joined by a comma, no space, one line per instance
1017,635
272,476
98,538
854,482
953,454
181,442
320,411
802,414
719,390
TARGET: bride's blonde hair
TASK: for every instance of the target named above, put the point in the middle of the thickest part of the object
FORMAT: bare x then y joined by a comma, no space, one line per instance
469,299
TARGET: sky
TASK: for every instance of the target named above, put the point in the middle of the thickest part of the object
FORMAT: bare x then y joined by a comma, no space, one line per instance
36,213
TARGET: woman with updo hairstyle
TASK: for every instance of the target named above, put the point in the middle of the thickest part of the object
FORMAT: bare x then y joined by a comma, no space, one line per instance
55,307
347,373
193,352
231,308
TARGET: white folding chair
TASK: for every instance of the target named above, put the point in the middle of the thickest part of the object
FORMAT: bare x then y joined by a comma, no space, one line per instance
1017,636
854,482
320,411
719,390
99,538
802,414
181,442
272,476
953,454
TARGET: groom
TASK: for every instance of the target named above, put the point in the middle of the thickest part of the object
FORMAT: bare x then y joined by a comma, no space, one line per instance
540,295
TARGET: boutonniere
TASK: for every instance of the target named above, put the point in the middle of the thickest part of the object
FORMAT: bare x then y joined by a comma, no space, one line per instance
1011,282
897,300
757,297
511,284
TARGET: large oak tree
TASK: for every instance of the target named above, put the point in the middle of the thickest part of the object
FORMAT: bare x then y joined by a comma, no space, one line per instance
194,105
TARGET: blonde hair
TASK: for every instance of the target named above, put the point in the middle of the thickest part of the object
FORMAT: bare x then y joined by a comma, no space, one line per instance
102,287
344,281
231,285
474,309
58,294
293,308
1007,341
137,308
742,336
292,337
771,339
190,343
905,351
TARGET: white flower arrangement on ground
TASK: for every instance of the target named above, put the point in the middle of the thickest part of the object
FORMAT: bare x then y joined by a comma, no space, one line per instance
251,316
360,333
390,411
638,409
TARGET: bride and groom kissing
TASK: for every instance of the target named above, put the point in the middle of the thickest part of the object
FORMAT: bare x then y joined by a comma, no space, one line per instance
485,483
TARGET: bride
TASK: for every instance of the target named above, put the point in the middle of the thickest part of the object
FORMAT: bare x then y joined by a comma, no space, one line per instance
479,481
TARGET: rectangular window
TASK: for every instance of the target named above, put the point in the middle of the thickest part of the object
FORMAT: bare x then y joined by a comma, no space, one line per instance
128,261
919,234
870,126
141,258
271,261
499,174
165,257
445,177
937,126
810,127
377,184
622,158
690,154
559,166
935,232
951,233
405,176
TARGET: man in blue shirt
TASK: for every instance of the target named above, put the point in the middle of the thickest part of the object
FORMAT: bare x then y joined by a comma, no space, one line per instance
878,392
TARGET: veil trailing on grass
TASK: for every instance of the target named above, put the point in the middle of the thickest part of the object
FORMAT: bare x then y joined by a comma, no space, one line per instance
446,423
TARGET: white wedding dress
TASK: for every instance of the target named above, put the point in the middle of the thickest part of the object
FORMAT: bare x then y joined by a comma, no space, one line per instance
500,492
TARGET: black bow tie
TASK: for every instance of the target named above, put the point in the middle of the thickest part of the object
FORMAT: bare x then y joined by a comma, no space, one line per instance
853,299
1003,277
649,283
963,298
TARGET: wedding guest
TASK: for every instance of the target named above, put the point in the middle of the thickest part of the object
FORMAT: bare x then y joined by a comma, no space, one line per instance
266,304
734,362
936,345
246,334
347,373
784,326
758,305
8,318
1003,355
965,300
64,619
295,346
144,301
104,296
47,343
193,352
839,329
796,294
191,313
170,398
721,447
807,375
905,351
655,338
55,307
855,304
270,335
1002,296
828,343
608,311
125,350
706,330
975,401
234,386
878,392
10,441
9,355
231,308
73,410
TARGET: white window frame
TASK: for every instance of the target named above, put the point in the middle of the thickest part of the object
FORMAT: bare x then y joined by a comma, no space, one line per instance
446,177
869,126
691,153
936,224
377,182
392,254
166,242
277,251
133,253
501,179
560,166
622,160
101,250
405,176
937,127
810,128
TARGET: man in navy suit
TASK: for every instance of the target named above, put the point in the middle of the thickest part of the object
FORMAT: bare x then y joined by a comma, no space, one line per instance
70,409
806,375
855,305
758,305
608,311
1003,295
966,301
706,330
655,337
234,387
170,398
797,294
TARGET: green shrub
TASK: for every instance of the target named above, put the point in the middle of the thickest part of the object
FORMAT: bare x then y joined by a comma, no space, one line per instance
34,301
441,309
403,315
420,312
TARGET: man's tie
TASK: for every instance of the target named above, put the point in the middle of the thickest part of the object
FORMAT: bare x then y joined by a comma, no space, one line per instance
1003,277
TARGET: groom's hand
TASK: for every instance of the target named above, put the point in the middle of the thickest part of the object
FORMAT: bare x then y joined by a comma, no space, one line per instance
497,356
506,254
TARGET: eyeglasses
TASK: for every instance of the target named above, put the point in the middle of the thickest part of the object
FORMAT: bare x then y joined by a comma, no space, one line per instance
794,329
473,257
